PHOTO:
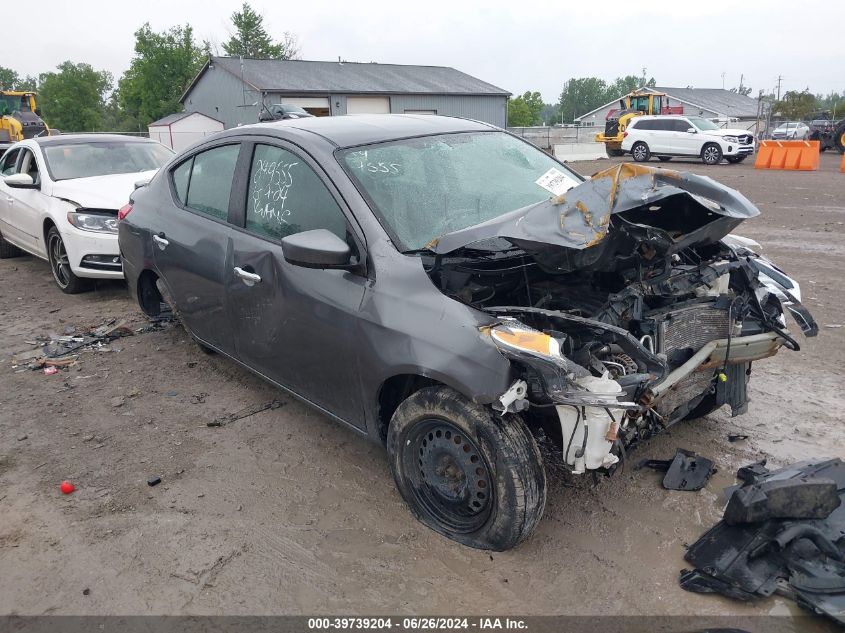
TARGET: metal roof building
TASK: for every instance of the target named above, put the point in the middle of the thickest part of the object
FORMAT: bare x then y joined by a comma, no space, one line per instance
232,90
711,103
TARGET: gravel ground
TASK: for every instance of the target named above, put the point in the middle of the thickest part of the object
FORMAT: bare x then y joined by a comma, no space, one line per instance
284,512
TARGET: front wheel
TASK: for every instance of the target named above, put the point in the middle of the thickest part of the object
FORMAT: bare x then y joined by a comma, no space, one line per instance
66,280
466,472
733,160
640,152
711,154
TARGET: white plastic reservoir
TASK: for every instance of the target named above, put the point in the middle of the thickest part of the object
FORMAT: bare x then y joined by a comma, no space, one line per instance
597,422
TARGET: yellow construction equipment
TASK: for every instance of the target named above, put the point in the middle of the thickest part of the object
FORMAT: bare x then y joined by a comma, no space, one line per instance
19,117
632,105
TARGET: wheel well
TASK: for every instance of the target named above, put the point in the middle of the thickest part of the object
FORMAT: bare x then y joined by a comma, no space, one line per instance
48,224
393,391
149,297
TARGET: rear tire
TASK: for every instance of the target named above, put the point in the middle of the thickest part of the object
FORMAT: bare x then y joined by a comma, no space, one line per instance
711,154
640,152
7,250
839,138
65,279
734,160
613,152
465,472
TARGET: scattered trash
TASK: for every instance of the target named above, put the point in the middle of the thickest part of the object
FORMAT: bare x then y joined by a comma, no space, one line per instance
191,364
245,413
781,532
21,438
86,592
67,487
172,394
118,401
49,371
833,325
737,437
199,398
686,471
154,481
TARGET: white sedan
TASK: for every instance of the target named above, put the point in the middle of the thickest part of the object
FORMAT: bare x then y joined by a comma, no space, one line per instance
60,196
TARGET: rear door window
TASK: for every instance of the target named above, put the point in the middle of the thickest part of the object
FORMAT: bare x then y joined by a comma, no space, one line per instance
286,196
204,182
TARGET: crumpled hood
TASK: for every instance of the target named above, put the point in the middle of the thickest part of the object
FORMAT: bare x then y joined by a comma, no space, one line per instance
100,192
663,205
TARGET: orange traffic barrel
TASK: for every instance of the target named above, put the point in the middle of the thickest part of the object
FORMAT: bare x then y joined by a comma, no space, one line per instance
788,155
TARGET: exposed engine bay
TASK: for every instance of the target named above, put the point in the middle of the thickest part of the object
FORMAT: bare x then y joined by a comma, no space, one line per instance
624,304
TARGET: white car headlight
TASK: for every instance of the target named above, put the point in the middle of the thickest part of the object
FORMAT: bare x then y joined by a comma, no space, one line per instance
517,337
731,139
95,222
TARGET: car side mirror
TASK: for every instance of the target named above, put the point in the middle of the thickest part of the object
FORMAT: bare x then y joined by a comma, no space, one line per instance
20,181
691,131
318,248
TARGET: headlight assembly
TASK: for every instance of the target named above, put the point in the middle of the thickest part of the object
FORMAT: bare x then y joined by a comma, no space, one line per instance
95,222
517,337
731,139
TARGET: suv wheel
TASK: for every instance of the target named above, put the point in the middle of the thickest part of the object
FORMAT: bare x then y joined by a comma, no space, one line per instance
711,154
60,265
465,472
640,152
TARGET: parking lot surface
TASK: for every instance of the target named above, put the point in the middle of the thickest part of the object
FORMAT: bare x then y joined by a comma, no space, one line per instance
285,512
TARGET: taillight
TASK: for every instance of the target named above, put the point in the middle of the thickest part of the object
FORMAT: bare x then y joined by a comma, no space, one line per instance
124,211
624,134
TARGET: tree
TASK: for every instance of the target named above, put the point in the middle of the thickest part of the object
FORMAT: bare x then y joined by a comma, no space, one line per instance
795,105
73,98
10,80
163,66
252,40
525,110
623,85
581,95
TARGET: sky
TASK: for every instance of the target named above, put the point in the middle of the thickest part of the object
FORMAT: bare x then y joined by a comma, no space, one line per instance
516,46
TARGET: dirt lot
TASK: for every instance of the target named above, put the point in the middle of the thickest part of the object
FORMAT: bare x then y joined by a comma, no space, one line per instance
285,512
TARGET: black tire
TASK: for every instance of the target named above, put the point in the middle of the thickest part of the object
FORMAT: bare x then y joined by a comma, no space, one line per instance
711,154
735,160
664,159
466,472
839,138
205,348
67,282
640,152
7,250
705,407
613,152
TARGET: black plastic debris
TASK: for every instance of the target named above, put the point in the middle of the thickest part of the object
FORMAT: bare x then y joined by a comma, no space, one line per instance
790,540
154,481
686,471
737,437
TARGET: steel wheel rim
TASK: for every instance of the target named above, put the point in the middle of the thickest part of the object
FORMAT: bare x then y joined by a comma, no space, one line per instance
59,262
710,155
450,479
639,152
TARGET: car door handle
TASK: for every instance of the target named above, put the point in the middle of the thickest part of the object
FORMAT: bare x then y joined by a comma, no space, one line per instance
159,239
248,277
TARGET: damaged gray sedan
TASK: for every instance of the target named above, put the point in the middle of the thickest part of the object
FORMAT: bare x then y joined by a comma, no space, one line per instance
461,297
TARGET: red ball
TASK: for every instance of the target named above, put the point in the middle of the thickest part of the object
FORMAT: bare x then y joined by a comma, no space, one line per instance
67,487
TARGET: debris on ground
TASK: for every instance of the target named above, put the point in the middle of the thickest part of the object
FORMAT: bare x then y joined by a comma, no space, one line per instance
737,437
22,437
49,371
782,532
154,481
686,471
66,487
245,413
53,352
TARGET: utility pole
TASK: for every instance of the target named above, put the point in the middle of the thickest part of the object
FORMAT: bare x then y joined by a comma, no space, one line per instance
644,79
723,80
780,79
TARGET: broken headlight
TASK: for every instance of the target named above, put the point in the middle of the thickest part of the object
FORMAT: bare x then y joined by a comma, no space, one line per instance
519,338
96,222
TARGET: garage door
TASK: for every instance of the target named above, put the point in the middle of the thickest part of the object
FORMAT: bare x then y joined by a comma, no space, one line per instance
367,105
318,106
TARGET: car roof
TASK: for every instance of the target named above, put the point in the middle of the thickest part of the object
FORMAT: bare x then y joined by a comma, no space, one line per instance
664,116
362,129
79,139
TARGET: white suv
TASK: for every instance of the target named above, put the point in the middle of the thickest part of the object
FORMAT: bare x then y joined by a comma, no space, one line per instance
668,136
